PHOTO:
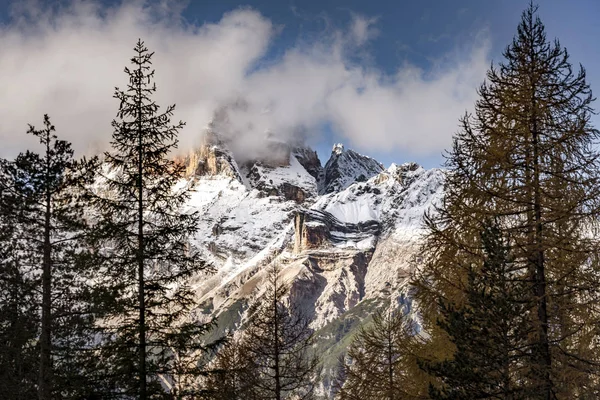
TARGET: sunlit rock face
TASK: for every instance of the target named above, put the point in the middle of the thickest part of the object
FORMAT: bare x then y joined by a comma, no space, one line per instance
211,158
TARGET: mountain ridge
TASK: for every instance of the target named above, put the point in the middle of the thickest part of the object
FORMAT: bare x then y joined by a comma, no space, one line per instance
346,242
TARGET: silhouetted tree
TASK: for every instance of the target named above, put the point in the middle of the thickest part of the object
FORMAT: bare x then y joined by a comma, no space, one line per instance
41,192
231,375
145,236
19,321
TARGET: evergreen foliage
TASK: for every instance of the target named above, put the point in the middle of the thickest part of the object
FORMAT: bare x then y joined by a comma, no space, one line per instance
19,322
489,331
41,199
151,345
231,374
278,341
272,359
381,361
528,159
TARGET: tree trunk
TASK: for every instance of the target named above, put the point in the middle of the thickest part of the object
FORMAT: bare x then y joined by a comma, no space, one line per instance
141,301
44,388
140,260
545,358
276,350
390,366
539,286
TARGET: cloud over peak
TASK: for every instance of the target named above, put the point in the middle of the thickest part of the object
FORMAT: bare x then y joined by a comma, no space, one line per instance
66,62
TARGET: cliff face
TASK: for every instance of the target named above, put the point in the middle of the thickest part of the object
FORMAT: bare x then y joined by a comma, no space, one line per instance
346,237
310,161
320,229
211,158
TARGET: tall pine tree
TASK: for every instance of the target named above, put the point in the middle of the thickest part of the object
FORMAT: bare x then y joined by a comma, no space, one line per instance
144,236
527,157
41,192
19,321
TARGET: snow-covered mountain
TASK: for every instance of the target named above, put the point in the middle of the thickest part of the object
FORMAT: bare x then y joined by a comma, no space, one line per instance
345,236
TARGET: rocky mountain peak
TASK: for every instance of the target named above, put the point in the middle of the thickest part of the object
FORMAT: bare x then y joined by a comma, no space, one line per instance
345,167
338,149
212,158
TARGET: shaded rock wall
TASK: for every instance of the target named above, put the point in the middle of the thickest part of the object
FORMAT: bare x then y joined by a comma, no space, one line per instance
310,161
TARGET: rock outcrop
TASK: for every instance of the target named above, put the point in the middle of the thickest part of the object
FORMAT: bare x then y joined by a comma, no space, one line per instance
291,182
316,229
212,158
310,161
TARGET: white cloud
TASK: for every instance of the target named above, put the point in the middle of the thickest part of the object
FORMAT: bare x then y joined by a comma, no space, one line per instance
67,61
363,29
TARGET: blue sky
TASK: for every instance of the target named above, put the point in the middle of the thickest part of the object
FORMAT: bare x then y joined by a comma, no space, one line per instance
388,78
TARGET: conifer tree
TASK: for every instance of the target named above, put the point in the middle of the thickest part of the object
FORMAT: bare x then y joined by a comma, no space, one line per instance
231,375
144,236
382,360
339,377
489,331
278,344
41,192
19,322
527,158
